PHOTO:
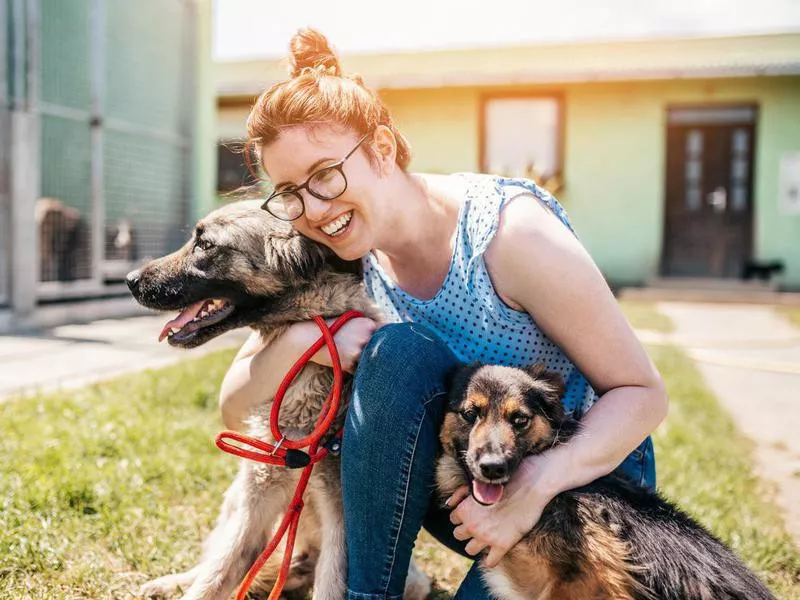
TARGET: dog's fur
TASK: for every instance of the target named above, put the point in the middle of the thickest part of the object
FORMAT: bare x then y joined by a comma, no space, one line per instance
64,245
609,539
270,277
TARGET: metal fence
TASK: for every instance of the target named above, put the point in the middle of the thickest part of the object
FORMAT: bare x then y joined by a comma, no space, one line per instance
112,96
5,144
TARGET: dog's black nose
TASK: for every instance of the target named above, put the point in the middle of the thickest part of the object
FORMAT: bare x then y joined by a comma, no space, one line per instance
132,279
494,469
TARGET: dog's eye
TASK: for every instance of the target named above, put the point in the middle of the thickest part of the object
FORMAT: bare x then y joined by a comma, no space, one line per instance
470,415
203,244
520,421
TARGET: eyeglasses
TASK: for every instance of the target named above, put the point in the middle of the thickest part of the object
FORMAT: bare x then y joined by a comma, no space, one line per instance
327,183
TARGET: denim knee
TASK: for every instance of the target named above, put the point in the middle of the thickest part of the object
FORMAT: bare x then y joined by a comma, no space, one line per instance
403,365
389,450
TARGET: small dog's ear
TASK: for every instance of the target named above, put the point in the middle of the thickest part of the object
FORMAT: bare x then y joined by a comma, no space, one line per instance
551,389
539,372
457,381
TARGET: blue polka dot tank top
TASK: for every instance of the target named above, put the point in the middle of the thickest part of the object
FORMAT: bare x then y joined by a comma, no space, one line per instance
466,312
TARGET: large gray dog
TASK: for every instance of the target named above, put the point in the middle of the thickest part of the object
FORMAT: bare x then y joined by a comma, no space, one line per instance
240,268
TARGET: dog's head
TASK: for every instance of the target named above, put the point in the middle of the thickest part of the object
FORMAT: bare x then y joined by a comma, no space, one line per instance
496,417
238,264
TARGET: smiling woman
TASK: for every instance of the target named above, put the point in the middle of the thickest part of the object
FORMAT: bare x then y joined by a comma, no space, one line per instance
325,183
459,265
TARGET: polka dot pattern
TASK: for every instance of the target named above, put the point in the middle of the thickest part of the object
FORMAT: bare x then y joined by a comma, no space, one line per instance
467,312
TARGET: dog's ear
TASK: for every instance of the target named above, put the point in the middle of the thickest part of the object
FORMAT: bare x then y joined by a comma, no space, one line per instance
299,256
457,382
540,373
548,386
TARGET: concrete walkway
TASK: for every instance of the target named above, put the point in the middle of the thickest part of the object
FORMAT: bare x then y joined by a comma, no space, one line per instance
750,359
74,355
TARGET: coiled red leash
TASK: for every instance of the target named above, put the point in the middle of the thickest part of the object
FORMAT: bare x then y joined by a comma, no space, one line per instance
289,453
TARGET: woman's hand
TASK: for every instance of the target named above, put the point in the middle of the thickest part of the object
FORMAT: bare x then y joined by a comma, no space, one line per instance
350,340
499,527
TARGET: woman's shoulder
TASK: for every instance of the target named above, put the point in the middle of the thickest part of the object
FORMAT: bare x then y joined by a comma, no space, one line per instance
480,198
486,191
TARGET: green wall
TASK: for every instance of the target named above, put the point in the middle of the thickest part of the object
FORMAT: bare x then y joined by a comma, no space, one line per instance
204,151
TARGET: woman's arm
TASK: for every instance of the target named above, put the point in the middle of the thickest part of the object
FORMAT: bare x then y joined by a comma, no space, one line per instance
257,370
537,265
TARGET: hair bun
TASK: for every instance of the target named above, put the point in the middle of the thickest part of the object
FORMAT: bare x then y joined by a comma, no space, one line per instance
309,49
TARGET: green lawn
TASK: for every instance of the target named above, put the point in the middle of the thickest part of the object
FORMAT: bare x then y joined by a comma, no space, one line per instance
644,315
106,487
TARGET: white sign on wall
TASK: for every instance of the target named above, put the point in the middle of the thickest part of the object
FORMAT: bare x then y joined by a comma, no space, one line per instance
789,184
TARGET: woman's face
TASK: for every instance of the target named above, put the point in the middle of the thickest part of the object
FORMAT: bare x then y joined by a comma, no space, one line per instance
346,224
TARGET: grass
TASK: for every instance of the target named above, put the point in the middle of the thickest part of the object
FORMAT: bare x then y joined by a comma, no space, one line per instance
107,485
111,485
792,313
644,315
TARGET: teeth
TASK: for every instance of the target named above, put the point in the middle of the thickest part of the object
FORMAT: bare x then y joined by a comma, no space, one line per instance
211,307
334,227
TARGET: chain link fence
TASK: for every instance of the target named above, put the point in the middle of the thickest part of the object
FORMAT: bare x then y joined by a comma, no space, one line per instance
5,145
113,95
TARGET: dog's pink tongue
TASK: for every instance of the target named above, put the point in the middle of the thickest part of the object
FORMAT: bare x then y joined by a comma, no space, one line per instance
487,493
182,319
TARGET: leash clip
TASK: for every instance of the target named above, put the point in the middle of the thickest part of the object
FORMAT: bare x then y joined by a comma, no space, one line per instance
333,446
294,459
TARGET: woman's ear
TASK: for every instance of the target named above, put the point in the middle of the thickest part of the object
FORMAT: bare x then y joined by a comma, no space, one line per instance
385,148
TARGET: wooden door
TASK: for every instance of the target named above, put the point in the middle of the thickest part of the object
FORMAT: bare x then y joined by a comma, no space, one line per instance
709,183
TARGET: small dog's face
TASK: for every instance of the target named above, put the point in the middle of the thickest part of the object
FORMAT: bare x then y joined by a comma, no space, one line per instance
496,417
238,261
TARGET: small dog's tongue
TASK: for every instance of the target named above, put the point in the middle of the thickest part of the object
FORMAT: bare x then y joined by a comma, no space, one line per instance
487,493
182,319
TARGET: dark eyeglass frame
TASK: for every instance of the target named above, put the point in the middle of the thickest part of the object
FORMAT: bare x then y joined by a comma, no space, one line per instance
295,191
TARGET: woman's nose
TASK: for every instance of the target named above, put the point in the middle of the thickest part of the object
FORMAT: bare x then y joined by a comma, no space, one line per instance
314,207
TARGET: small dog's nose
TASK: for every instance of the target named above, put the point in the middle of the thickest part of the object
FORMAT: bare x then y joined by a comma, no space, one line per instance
132,279
494,469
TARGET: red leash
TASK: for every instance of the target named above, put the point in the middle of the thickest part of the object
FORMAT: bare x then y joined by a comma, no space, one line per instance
289,453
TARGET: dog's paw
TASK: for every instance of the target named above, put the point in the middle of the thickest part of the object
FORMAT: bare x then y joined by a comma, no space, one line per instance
418,584
163,587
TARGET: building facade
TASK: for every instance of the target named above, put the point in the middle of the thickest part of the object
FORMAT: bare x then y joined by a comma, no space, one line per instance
675,158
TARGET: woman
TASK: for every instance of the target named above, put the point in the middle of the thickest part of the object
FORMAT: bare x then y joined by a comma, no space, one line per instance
466,267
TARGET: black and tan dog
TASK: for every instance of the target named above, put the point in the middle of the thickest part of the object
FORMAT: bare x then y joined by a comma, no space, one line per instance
607,540
244,268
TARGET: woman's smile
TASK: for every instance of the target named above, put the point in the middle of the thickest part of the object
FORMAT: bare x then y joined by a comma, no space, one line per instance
338,226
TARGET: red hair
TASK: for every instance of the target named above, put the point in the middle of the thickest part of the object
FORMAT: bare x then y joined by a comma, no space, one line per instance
317,92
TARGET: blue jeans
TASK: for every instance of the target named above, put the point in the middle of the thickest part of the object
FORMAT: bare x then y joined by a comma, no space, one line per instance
389,450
